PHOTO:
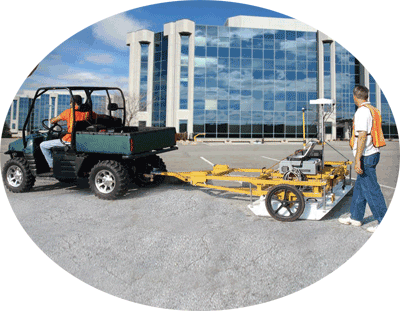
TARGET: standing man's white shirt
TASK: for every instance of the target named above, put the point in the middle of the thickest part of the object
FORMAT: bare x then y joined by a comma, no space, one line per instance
363,122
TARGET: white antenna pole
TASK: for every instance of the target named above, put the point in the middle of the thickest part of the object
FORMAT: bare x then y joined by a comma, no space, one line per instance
321,120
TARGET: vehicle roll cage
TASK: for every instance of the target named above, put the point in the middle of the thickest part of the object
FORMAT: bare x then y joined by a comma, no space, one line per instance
88,92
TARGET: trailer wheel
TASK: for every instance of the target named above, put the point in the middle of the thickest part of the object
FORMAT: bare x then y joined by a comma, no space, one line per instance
285,203
109,180
145,166
17,175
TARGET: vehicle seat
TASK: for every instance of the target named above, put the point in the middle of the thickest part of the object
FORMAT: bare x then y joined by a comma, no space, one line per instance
109,122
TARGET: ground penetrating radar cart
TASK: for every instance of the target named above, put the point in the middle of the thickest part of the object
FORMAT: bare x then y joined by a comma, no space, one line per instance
304,185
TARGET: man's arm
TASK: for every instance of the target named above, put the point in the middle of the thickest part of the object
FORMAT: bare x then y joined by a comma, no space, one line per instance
361,140
55,119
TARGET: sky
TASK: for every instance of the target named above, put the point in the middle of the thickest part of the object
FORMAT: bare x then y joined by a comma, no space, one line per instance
98,55
368,34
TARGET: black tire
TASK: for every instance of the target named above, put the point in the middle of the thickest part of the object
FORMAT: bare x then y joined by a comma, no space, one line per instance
109,180
285,203
17,176
146,166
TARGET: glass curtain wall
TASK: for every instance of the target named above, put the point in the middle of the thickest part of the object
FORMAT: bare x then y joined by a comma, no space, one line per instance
388,124
372,91
183,99
144,62
160,80
327,70
41,111
253,83
63,103
24,104
347,77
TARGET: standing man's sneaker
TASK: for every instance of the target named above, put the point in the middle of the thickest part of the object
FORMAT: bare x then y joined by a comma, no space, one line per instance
372,229
346,220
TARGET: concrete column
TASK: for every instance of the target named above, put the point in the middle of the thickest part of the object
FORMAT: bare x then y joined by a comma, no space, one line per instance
346,130
378,97
134,40
174,31
333,88
320,62
191,81
12,120
321,39
169,30
364,76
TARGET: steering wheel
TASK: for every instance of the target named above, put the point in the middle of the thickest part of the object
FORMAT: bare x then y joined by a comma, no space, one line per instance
54,128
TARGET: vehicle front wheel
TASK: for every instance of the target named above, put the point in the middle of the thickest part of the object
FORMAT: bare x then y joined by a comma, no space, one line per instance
109,180
17,175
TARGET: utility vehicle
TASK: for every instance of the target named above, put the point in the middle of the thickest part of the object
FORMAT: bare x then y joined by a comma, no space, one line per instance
104,150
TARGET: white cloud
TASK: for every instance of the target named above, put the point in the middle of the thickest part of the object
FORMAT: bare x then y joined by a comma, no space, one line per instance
100,59
113,30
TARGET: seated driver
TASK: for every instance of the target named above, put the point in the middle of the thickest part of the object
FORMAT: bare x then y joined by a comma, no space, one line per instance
66,115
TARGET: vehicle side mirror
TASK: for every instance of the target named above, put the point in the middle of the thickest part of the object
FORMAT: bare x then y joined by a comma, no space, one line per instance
112,107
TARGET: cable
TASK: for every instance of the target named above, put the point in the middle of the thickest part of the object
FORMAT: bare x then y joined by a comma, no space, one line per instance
337,151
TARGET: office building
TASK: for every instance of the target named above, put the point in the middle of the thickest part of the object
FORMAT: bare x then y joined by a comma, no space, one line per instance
247,79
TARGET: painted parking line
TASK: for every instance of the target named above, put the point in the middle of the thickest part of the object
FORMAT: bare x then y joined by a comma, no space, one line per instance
270,158
205,160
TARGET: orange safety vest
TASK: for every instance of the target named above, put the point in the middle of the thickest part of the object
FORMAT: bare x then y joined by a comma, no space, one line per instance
67,115
378,139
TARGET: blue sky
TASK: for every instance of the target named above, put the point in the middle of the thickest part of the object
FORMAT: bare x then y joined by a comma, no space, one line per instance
98,55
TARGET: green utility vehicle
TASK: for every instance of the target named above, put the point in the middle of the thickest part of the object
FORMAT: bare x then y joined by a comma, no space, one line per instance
104,149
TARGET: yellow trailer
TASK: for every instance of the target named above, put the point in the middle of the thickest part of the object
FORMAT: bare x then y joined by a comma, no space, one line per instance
304,186
286,190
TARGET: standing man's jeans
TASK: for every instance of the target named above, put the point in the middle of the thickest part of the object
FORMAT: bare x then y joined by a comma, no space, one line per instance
46,149
368,190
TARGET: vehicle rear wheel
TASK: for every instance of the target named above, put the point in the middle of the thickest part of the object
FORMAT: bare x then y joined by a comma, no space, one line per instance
109,180
145,167
285,203
17,175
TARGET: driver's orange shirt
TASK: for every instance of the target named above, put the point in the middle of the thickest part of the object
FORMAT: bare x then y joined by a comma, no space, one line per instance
79,116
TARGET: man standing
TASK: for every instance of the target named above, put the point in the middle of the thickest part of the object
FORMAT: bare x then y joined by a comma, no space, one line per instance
367,138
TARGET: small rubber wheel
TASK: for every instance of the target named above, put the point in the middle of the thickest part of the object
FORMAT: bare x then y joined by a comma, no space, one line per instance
17,176
285,203
146,166
109,180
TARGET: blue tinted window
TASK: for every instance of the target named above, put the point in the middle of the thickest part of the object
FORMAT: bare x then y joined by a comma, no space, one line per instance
200,51
212,51
257,54
223,52
246,53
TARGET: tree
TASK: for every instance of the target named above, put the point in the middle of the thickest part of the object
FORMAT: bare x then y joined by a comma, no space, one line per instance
6,131
134,104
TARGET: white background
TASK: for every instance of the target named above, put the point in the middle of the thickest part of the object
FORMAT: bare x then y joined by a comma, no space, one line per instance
29,279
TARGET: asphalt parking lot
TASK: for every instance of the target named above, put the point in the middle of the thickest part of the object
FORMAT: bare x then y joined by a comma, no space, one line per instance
182,247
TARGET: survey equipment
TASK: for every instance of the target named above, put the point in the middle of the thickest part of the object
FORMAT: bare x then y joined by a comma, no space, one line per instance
303,186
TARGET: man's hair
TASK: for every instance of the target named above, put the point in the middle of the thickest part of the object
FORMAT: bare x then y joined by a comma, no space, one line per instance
77,99
361,92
